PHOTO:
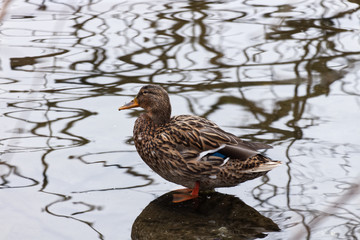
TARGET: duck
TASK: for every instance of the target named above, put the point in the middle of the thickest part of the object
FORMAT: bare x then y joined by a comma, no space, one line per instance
190,150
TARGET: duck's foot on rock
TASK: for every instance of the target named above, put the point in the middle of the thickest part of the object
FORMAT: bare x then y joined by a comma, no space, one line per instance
179,197
186,194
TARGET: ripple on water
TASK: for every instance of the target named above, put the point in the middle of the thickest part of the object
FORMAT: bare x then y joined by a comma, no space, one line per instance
281,72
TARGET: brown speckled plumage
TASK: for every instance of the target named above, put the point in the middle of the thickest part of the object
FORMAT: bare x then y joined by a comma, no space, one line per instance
186,149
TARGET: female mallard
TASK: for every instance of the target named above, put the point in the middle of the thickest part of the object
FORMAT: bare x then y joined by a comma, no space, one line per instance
190,150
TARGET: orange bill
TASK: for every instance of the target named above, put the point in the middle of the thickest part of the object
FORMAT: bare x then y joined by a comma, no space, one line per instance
132,104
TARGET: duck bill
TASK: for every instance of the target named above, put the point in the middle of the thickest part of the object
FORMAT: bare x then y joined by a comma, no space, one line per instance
134,103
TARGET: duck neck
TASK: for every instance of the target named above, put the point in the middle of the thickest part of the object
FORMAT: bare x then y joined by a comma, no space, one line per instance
160,116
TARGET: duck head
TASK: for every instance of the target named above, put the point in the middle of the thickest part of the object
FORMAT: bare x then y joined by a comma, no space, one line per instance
155,101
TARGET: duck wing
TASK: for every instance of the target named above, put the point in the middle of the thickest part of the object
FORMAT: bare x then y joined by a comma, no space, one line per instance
198,139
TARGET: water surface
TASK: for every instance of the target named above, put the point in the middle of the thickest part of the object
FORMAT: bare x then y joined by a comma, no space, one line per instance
284,73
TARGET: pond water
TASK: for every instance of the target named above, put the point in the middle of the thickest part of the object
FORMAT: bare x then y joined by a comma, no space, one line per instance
285,73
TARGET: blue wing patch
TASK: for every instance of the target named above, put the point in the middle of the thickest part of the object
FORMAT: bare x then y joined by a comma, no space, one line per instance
217,154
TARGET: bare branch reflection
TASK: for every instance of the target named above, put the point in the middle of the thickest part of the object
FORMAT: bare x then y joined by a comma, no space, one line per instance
270,67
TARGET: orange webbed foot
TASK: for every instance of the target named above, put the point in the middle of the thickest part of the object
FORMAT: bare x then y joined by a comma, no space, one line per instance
177,198
186,194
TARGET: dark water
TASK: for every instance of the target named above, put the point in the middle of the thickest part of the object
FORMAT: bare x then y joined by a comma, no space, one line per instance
283,73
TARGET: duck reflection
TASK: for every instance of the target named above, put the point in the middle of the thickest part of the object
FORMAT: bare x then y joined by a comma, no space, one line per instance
211,216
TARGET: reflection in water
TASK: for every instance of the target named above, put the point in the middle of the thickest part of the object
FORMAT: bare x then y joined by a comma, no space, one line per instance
212,216
270,72
10,174
128,170
72,216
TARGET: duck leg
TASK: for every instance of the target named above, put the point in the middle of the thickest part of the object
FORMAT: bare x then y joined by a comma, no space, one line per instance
183,190
186,194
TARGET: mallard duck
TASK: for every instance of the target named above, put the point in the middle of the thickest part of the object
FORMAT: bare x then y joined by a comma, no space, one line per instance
190,150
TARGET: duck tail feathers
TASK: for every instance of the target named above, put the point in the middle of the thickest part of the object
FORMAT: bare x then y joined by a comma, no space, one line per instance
265,167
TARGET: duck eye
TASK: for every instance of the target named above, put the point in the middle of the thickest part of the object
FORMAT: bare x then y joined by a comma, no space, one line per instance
147,92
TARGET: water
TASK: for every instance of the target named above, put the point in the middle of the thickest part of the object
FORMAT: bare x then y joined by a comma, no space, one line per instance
283,73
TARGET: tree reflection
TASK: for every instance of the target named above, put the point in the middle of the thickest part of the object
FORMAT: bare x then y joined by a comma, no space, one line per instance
193,48
10,174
